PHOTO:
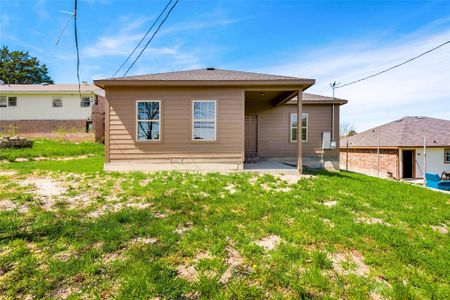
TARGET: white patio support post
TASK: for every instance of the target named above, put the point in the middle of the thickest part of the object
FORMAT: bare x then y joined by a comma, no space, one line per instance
299,132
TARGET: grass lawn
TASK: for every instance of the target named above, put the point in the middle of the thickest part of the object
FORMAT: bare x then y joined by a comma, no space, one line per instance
69,230
46,148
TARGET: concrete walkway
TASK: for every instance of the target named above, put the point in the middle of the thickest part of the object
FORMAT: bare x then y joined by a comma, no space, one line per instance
270,167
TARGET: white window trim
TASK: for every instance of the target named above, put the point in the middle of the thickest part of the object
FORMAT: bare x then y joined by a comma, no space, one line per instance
301,132
204,120
156,120
8,101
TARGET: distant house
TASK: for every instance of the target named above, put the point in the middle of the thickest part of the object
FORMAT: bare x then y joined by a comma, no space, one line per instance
216,120
401,148
47,107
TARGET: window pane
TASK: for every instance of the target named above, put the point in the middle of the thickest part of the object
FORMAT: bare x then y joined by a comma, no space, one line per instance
204,131
304,120
57,103
294,120
304,134
148,130
12,101
294,134
204,110
2,101
148,110
86,102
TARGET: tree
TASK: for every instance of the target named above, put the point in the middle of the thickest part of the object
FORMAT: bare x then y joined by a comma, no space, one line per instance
17,67
346,130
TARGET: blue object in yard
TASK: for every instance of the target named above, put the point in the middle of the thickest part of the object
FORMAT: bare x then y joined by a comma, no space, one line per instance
434,181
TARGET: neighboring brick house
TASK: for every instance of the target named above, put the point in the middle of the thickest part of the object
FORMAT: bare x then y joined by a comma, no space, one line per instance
36,108
396,149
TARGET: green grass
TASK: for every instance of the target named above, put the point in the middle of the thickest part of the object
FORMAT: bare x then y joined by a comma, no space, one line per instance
83,165
110,235
51,149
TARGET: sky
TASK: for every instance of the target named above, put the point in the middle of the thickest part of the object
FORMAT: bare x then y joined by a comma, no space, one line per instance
325,40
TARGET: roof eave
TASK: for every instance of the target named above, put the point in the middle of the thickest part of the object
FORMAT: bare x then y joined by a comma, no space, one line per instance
301,83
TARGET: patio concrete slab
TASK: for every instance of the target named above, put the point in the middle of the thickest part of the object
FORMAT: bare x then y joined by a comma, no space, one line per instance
270,167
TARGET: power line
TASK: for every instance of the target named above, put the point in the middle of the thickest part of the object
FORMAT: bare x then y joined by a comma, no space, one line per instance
149,41
143,38
334,86
76,45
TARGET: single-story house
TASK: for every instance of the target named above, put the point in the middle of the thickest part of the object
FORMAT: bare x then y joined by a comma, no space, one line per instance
212,119
396,149
48,107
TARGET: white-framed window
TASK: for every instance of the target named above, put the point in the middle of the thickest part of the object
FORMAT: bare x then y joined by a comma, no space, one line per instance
204,120
57,102
447,156
3,101
148,120
294,127
85,102
12,101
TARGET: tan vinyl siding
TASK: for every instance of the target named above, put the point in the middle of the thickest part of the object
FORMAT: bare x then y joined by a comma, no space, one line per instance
274,129
176,122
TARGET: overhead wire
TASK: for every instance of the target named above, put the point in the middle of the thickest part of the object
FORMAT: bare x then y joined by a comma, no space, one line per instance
152,37
142,39
334,85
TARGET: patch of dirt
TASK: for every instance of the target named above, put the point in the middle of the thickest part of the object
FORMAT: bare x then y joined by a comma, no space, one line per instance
371,221
64,292
183,228
234,261
113,256
329,203
65,255
441,229
253,180
45,186
327,222
203,255
145,241
269,242
349,263
102,210
8,173
231,188
145,181
266,187
7,205
188,273
290,178
21,159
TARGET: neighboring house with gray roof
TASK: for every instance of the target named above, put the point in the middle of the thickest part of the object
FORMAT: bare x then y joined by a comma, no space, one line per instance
401,148
38,108
211,119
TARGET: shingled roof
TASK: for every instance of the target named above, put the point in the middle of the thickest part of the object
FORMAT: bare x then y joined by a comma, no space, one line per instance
206,77
207,74
405,132
308,98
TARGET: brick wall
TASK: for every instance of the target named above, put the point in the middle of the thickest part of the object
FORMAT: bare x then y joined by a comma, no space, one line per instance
35,126
365,161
